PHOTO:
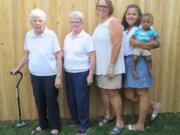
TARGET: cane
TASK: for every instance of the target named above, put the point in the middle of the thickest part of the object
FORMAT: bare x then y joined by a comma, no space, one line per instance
21,122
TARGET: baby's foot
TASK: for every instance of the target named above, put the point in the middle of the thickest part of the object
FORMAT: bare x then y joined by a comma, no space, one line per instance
151,72
135,75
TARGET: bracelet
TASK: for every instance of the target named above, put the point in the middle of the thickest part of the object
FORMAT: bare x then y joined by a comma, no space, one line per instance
111,65
91,73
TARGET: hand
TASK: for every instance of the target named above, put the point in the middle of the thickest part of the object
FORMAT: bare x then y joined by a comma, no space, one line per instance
109,72
14,71
58,83
89,80
155,43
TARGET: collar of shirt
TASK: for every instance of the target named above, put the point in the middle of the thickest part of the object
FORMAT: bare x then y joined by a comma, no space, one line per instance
131,31
78,35
42,35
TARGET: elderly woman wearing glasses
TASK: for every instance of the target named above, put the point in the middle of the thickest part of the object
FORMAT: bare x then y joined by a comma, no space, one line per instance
79,64
43,55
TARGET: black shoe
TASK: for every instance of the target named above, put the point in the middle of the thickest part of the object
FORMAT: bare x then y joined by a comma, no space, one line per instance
82,131
72,123
36,130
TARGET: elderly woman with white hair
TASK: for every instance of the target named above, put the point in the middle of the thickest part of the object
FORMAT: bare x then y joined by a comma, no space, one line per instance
79,64
43,55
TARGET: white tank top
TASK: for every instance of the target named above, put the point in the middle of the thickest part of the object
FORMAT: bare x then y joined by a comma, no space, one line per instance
103,48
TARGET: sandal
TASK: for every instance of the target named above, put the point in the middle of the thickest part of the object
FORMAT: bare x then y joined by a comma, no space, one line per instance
116,130
131,127
156,111
105,121
36,130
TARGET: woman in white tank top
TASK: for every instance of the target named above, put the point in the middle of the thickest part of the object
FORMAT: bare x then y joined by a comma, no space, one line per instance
109,62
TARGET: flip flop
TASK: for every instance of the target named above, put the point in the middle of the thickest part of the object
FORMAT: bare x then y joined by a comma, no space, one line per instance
131,127
116,130
105,121
156,111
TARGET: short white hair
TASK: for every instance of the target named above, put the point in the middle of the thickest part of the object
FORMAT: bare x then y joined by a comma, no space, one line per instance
77,15
37,13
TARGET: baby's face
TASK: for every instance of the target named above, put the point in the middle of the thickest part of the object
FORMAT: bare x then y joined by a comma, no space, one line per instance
146,22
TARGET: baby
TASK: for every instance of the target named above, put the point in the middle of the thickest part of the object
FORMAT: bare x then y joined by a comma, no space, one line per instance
145,33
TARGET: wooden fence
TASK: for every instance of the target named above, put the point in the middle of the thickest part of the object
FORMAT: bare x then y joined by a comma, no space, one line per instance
14,24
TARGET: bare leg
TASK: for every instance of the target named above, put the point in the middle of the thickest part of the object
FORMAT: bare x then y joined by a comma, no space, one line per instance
149,62
154,106
134,63
143,108
123,98
106,103
131,95
115,99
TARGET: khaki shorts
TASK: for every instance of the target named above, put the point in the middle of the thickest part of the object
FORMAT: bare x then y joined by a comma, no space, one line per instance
104,82
141,52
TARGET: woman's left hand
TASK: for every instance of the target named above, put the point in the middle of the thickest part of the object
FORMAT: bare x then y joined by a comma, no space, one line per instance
109,72
58,82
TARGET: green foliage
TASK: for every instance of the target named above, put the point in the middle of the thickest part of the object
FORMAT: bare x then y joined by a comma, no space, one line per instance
165,124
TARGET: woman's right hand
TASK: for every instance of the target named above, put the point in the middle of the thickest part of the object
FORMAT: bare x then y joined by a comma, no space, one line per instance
14,71
24,60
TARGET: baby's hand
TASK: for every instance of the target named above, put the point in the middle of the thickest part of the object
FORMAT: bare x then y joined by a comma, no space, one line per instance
155,42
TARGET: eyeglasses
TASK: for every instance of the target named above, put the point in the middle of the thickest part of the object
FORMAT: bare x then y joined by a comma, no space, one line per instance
102,7
75,22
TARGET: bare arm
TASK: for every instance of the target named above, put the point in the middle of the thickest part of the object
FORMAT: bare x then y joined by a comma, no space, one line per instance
150,45
23,62
92,65
156,42
115,30
58,56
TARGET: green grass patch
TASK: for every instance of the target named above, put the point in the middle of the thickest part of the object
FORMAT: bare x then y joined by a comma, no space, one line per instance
165,124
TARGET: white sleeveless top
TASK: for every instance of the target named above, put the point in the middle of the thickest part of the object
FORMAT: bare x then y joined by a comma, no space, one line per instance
103,48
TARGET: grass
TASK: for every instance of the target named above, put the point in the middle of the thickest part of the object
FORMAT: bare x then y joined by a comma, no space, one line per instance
165,124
